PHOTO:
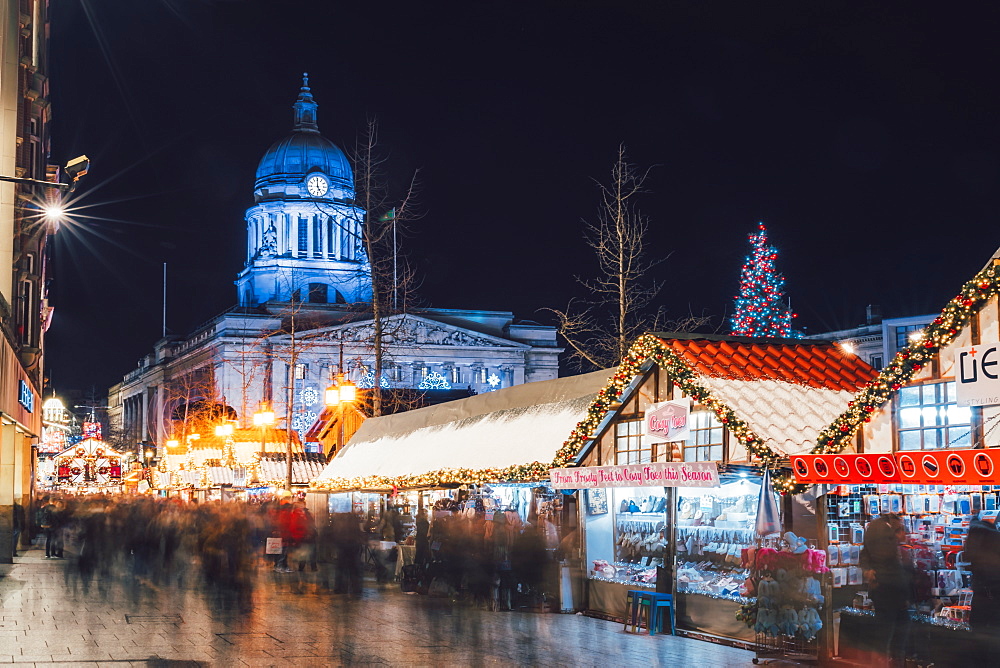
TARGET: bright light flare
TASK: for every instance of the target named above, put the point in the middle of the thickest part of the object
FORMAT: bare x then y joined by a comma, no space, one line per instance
54,212
848,347
916,335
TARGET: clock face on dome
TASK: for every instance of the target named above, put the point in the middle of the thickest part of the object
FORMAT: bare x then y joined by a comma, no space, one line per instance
317,186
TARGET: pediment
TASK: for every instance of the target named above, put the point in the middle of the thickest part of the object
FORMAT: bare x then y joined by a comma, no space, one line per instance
411,330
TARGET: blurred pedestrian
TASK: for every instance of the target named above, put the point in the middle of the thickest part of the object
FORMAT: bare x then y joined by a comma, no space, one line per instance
19,526
982,553
349,541
890,585
422,553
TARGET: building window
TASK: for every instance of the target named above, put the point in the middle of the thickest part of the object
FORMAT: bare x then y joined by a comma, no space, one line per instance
26,324
628,444
929,418
903,335
876,362
455,374
705,442
317,293
300,371
303,235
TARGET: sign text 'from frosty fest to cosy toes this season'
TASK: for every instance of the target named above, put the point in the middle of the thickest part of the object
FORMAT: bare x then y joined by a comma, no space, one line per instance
977,375
667,421
655,474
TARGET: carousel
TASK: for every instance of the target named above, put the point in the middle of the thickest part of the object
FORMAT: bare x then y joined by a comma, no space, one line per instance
90,467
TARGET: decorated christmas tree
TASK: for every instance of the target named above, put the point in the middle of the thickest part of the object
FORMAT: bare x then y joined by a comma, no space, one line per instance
761,309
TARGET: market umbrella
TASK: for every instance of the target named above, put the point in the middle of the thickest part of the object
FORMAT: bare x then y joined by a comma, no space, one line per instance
768,518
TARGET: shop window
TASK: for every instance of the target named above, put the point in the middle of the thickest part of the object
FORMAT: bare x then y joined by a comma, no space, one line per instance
705,442
929,419
629,448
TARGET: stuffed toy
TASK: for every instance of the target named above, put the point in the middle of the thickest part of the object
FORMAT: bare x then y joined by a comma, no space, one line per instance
767,622
809,623
788,621
796,545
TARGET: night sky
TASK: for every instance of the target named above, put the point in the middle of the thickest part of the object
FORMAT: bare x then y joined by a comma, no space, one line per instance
864,135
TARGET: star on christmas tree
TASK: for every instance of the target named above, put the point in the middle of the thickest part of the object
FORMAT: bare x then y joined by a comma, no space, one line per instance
761,309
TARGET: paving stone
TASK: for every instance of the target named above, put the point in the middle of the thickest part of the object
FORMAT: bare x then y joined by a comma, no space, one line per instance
384,627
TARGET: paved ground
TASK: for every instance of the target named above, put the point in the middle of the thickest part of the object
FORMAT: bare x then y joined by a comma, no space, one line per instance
46,621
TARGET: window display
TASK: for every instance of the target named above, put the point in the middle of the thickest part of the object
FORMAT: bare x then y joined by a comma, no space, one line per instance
627,544
714,528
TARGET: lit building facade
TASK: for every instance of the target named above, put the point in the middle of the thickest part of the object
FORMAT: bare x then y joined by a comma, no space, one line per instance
24,151
303,315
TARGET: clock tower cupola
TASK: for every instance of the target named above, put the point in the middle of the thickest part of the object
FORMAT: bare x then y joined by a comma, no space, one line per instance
304,231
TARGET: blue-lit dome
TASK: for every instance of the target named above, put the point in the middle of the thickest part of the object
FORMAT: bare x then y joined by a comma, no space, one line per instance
303,152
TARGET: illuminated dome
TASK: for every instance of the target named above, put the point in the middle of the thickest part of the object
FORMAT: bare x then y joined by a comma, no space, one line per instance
285,166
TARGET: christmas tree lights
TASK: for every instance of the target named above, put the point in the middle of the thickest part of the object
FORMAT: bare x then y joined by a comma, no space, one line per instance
761,310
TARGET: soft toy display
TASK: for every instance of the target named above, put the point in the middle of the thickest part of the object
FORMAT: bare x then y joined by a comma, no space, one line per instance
788,589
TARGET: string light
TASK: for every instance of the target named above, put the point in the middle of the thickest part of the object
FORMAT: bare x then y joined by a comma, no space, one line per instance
905,365
647,348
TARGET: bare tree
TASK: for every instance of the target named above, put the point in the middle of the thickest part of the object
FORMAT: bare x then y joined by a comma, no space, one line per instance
392,279
600,328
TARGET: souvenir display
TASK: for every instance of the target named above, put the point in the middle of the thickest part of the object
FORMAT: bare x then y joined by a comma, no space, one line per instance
639,536
785,580
936,520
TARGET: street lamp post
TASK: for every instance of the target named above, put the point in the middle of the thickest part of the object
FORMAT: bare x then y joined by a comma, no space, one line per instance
340,395
263,419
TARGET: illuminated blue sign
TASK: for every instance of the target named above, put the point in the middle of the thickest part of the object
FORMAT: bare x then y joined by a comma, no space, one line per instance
26,397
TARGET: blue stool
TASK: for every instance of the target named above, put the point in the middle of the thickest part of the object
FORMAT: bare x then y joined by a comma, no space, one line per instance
649,607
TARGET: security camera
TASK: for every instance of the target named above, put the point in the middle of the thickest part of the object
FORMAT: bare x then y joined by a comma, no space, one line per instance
77,167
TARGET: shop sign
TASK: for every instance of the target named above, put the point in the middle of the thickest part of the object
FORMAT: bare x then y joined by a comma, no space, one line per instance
954,467
655,474
845,469
977,375
948,467
667,421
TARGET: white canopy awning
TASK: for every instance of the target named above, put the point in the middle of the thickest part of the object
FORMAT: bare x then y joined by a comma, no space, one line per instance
509,427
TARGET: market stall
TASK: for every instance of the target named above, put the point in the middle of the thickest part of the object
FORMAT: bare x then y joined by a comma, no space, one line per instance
482,461
917,441
737,405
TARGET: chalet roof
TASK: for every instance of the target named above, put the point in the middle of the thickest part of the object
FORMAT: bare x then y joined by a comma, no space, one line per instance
495,430
786,391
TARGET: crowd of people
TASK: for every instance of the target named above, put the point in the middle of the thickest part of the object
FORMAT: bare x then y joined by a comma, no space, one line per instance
227,546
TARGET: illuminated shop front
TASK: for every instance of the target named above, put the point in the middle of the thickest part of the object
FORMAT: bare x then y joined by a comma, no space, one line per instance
919,440
684,404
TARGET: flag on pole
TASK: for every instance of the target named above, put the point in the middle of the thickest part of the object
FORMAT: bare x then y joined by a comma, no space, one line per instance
768,517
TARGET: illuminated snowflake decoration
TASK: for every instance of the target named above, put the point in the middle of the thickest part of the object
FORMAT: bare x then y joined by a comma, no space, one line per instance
434,381
493,380
309,396
367,381
303,420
